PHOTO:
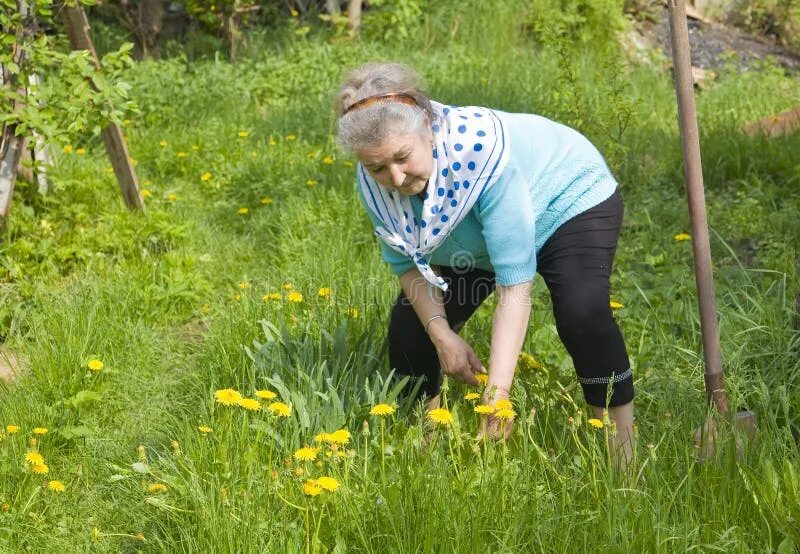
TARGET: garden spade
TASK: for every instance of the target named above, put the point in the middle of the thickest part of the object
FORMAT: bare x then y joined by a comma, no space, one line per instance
746,421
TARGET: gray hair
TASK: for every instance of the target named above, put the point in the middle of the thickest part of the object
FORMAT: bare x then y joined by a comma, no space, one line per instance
371,125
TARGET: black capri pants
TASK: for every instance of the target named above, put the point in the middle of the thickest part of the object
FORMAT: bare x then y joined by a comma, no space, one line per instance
575,263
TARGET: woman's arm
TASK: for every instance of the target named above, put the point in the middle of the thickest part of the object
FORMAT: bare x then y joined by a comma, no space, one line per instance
509,324
455,355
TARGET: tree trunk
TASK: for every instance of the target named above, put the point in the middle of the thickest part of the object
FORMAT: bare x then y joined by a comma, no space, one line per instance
354,15
332,7
144,20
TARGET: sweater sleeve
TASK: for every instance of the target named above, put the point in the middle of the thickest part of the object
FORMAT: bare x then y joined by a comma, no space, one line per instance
506,213
398,262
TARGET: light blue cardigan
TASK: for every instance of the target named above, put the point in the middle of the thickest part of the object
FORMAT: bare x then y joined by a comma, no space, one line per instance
553,174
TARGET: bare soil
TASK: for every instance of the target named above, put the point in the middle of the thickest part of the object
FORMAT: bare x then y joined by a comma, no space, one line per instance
715,45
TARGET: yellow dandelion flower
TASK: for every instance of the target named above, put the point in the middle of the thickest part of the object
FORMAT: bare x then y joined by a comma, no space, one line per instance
280,409
95,365
321,437
506,414
205,176
306,454
272,141
266,394
298,471
327,160
324,292
294,296
146,193
266,201
67,149
40,430
271,296
227,397
205,429
34,458
195,147
311,182
236,297
311,488
615,305
680,237
471,396
12,429
55,486
243,211
250,404
382,410
291,137
162,143
242,134
172,197
503,404
328,483
528,362
441,416
288,286
483,409
40,469
294,12
244,285
342,436
80,151
127,122
181,154
596,423
352,312
156,487
482,378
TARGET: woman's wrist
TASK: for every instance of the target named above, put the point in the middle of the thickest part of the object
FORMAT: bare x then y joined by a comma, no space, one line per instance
438,329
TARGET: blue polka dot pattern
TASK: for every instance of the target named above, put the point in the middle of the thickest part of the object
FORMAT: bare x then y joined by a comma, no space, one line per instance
479,154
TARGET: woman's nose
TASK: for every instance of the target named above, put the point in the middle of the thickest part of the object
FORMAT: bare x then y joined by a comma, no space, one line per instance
398,176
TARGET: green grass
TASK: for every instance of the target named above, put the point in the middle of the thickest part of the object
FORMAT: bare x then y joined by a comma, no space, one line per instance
157,297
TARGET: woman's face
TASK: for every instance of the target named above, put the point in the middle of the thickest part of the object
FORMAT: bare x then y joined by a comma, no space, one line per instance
402,162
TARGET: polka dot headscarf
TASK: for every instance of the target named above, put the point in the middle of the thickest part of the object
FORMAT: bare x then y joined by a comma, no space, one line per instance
469,154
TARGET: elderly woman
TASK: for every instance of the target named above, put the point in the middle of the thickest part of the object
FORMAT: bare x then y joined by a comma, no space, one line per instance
466,200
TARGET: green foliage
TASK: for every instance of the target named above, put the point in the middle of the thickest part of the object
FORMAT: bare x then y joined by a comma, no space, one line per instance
777,18
594,22
394,20
73,98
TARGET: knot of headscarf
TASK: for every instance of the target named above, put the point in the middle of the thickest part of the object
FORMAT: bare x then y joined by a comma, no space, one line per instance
470,152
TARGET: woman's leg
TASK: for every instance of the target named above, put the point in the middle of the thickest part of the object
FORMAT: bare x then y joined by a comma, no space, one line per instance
576,265
411,352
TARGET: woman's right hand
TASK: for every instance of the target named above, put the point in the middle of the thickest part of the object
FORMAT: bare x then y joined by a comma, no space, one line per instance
456,356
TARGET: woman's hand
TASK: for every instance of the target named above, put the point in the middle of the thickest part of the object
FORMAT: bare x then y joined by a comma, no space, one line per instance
458,359
492,427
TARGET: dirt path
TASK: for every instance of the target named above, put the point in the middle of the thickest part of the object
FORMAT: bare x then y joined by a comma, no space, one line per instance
714,44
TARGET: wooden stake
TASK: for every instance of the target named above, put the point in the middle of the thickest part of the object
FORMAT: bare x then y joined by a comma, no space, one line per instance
704,277
77,27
